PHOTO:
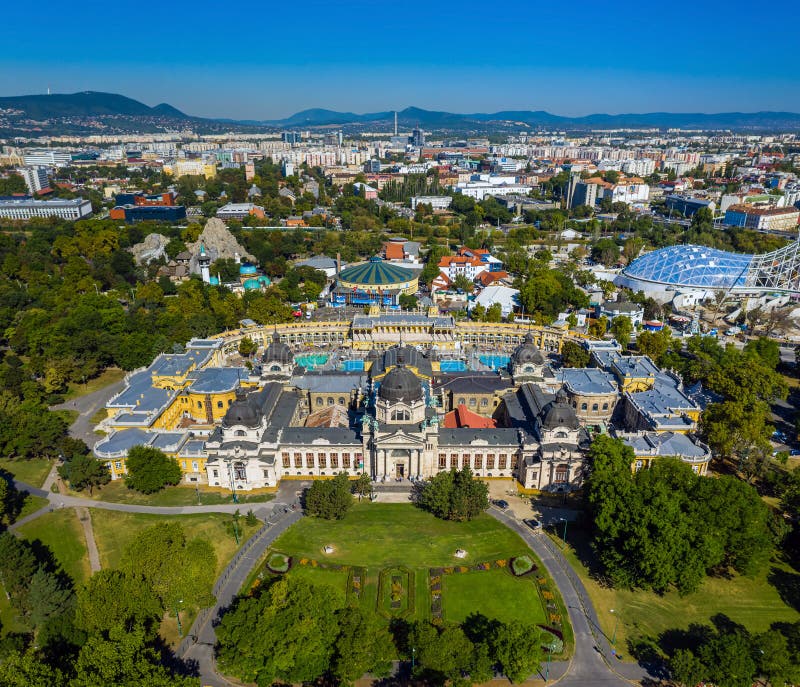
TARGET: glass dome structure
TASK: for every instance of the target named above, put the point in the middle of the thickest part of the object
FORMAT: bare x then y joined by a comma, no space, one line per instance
691,266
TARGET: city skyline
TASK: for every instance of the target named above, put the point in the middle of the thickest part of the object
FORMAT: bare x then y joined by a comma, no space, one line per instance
263,64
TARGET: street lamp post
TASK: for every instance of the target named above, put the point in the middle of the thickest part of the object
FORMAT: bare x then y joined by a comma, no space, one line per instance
547,666
616,621
413,657
178,617
565,529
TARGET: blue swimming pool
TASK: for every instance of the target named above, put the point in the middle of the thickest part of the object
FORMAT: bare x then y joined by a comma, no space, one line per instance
312,361
352,365
495,361
452,366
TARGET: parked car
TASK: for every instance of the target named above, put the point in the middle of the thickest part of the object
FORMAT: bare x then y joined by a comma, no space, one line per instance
535,525
500,503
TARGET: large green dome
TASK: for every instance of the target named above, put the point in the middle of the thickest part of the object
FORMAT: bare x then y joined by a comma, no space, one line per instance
376,272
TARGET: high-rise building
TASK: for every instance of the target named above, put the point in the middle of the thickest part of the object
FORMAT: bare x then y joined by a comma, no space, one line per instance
36,178
417,137
291,137
25,208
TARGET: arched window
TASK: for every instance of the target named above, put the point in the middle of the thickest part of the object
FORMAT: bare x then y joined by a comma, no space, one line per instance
240,433
584,406
400,415
330,401
341,400
219,404
319,401
605,406
594,406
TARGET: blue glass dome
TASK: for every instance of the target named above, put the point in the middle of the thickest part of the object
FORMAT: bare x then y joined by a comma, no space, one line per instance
251,284
691,266
247,269
214,281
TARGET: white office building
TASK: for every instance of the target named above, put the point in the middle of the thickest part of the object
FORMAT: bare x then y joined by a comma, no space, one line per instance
25,208
46,158
436,202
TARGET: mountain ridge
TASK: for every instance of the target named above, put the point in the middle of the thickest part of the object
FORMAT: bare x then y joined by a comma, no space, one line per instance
90,104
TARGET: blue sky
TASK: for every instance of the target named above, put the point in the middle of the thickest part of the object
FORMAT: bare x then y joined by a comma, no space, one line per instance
269,59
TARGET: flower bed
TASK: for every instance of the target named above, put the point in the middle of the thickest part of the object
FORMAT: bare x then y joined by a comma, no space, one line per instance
278,563
522,565
396,592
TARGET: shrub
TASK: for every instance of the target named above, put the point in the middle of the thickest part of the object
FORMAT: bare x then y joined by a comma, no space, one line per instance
521,565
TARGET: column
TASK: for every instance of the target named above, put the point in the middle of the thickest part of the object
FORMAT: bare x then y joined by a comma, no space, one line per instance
385,467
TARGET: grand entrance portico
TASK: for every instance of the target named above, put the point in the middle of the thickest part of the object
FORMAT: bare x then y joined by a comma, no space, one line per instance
399,455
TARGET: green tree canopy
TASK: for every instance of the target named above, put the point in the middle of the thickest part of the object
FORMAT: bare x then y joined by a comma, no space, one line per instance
150,469
453,495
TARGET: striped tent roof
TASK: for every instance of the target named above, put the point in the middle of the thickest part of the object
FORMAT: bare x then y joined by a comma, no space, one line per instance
376,272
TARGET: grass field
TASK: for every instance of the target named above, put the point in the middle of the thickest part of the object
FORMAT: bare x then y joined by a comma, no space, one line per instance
113,531
381,535
117,492
511,598
753,602
377,537
106,377
9,621
31,505
33,471
62,532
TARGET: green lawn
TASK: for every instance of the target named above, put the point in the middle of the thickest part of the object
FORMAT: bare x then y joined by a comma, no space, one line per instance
106,377
182,495
62,532
753,602
9,621
336,580
378,535
495,594
113,531
31,505
33,471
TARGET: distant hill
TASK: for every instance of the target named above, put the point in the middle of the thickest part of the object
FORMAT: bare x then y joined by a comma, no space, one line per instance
81,112
86,104
540,119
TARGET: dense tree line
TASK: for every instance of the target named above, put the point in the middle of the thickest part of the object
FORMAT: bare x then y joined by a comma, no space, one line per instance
293,631
664,527
106,631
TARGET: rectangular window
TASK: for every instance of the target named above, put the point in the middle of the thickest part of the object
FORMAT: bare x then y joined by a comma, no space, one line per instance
323,460
442,461
194,466
637,465
309,460
215,473
490,461
346,461
453,460
503,461
514,461
535,476
285,460
334,460
359,461
118,465
464,461
266,474
478,462
298,460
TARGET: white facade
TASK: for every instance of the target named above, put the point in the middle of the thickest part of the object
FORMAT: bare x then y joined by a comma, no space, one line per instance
47,158
436,202
35,178
75,209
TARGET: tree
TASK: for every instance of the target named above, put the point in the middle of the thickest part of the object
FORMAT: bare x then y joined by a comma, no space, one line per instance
574,355
363,485
174,568
765,348
11,500
47,596
453,495
518,649
364,645
442,654
329,499
622,328
407,301
29,670
774,659
654,344
686,668
150,469
286,633
598,327
463,283
247,347
112,598
606,252
84,471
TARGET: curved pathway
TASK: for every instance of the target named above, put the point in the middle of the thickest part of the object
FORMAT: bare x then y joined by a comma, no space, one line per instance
593,662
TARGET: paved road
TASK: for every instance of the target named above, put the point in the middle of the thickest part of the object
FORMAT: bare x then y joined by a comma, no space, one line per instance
592,663
198,648
87,406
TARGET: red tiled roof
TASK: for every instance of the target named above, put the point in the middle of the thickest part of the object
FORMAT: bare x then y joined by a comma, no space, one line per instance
487,278
393,250
461,417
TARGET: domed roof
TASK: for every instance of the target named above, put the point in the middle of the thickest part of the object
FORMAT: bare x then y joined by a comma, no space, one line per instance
401,384
214,281
528,352
559,413
243,411
247,269
251,284
277,351
691,266
376,272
